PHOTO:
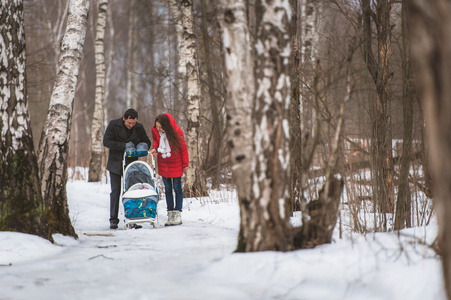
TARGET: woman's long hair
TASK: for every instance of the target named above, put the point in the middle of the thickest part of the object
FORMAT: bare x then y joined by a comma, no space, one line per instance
171,134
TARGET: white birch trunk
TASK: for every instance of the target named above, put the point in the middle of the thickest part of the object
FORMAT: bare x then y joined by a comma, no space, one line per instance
195,182
15,121
55,137
259,144
309,39
20,199
309,43
95,165
240,92
269,211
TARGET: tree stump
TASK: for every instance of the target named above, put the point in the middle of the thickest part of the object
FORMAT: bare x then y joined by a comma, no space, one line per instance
323,216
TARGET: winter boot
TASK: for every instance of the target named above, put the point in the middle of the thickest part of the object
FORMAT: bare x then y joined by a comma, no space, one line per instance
113,224
170,218
177,220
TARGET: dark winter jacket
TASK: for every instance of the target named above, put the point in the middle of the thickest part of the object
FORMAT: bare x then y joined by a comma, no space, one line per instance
115,138
172,166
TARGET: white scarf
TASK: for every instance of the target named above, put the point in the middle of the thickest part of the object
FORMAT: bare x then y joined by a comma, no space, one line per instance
164,148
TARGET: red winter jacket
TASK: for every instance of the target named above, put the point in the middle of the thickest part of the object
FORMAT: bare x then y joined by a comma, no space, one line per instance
171,167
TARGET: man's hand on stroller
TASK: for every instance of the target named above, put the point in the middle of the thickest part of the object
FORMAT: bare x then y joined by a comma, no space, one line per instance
130,147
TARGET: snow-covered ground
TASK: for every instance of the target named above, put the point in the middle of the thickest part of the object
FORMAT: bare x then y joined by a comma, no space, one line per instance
196,260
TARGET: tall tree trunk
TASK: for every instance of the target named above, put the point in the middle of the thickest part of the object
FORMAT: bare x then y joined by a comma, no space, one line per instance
309,38
54,143
109,65
295,109
317,229
403,204
95,165
195,182
380,71
216,139
308,134
240,91
134,61
429,22
153,65
20,192
128,68
268,213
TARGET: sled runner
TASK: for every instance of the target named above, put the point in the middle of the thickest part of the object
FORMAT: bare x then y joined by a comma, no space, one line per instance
139,193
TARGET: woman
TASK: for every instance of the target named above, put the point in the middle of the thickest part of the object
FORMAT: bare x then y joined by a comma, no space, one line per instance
169,143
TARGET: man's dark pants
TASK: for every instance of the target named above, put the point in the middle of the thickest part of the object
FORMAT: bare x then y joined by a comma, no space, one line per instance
115,180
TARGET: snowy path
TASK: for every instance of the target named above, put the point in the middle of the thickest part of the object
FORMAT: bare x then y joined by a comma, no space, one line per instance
120,264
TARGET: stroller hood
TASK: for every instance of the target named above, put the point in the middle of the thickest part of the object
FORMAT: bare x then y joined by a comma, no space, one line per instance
138,172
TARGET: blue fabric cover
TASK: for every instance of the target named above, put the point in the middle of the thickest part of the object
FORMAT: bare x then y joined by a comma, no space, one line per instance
140,208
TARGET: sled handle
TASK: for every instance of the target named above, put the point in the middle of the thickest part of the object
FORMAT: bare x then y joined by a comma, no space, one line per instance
153,166
123,173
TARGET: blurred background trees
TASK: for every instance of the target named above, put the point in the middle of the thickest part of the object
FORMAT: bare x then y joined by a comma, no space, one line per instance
380,155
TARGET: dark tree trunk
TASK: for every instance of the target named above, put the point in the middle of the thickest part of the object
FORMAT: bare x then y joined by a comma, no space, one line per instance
216,145
380,71
295,113
429,22
403,205
323,216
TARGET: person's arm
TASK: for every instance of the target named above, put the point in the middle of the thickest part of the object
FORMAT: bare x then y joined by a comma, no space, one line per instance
109,139
156,141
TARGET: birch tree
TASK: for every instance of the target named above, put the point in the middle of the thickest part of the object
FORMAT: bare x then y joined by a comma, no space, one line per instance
263,191
309,40
429,22
54,142
95,165
20,193
195,183
240,91
269,208
304,100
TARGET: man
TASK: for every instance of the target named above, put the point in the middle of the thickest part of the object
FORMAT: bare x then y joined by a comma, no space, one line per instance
118,133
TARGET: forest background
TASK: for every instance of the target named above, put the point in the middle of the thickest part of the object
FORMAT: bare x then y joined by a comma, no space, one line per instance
141,60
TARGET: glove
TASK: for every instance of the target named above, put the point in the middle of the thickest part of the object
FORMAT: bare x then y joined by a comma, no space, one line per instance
130,147
142,149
